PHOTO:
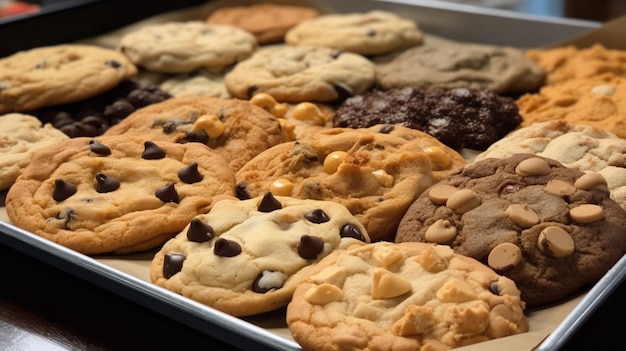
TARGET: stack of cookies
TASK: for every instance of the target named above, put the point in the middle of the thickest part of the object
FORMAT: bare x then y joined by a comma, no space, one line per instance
380,185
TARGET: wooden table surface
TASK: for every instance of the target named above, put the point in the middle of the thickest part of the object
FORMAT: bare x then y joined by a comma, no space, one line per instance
44,308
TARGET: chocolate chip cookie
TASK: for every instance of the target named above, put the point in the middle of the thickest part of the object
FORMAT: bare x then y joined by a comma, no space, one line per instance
247,257
116,194
553,230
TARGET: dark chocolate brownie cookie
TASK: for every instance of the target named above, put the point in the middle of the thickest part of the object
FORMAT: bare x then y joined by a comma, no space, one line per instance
553,230
459,118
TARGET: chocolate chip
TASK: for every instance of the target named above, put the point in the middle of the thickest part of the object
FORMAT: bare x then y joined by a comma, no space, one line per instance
106,184
113,64
119,109
351,231
167,193
172,264
143,97
199,231
494,288
226,248
98,148
242,192
310,246
317,216
386,129
370,33
152,151
190,174
269,203
77,129
251,90
342,92
63,190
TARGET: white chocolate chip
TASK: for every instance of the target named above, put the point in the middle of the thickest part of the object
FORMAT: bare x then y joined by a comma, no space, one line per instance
309,112
504,257
586,213
603,89
211,124
559,187
522,215
386,257
440,232
323,294
463,200
333,160
456,291
334,275
281,187
555,242
439,194
383,177
386,285
533,166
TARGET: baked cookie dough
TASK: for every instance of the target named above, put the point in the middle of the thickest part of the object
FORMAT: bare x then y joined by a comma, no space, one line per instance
597,101
448,64
59,74
181,47
408,296
247,257
235,129
116,194
369,33
458,117
553,230
197,83
586,148
268,22
374,173
301,74
20,136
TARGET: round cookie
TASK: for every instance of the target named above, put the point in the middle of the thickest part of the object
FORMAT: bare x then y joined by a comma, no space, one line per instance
586,148
59,74
596,101
375,174
116,194
408,296
247,257
370,33
268,22
235,129
20,136
553,230
459,117
196,83
181,47
301,74
448,64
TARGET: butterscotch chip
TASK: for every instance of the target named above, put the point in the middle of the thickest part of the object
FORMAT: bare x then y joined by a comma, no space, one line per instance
405,304
440,194
532,167
440,232
463,200
551,243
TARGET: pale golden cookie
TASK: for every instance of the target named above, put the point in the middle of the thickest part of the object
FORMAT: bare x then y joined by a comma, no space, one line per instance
247,257
60,74
197,83
409,296
116,194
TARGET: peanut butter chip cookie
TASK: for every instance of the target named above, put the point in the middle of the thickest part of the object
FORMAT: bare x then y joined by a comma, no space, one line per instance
552,229
408,296
61,74
247,257
116,194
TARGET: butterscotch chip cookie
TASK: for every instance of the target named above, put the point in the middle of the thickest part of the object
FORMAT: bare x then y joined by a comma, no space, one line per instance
369,33
116,194
597,101
566,63
268,22
586,148
247,257
59,74
448,64
181,47
235,129
301,74
553,230
20,136
408,296
374,173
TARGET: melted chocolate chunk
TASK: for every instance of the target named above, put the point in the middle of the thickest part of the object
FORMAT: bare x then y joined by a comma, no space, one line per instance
251,90
241,192
167,193
63,190
172,264
386,129
190,174
310,246
494,288
152,151
351,231
269,203
98,148
226,248
106,184
199,231
317,216
343,93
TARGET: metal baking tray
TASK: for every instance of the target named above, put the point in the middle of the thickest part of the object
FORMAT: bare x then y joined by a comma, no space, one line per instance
267,332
